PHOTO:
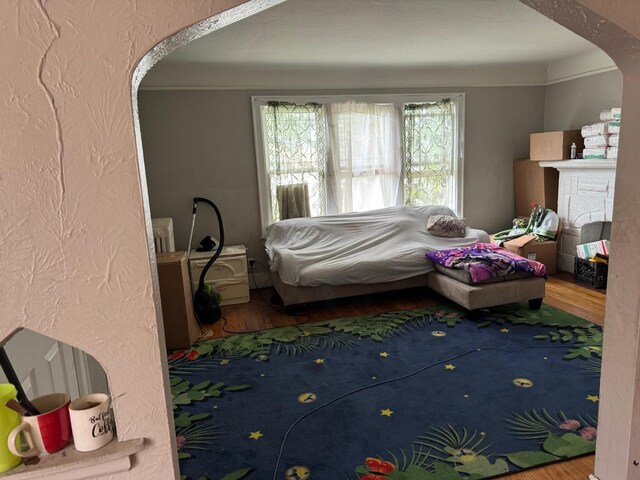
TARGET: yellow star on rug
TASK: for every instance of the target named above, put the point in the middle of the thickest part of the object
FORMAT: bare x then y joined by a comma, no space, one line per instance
504,330
449,367
256,435
319,361
384,354
386,412
224,361
593,398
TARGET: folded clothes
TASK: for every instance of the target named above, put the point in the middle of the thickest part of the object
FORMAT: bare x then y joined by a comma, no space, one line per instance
610,114
594,152
595,141
613,127
612,152
606,115
601,128
613,140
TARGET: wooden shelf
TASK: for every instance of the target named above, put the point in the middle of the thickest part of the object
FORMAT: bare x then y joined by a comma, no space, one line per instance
69,464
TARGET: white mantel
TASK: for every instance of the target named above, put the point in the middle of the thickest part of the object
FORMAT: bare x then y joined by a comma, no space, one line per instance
585,195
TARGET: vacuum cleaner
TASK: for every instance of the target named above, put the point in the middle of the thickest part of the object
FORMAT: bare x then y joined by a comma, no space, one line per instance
207,308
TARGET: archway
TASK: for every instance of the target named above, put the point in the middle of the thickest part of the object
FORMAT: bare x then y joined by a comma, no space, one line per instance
76,255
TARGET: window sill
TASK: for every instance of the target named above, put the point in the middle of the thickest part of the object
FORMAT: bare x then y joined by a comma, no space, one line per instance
69,464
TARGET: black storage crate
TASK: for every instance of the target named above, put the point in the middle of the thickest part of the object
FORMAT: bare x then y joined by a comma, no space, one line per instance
593,274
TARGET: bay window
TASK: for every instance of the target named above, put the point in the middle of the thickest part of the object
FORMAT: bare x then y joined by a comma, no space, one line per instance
325,155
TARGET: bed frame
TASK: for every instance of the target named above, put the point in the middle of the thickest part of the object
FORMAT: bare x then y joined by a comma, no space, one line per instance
292,295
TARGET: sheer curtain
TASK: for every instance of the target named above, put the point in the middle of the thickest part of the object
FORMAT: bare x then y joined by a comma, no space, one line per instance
364,156
429,149
295,157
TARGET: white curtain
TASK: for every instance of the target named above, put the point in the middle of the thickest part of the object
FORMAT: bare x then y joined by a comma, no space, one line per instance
364,156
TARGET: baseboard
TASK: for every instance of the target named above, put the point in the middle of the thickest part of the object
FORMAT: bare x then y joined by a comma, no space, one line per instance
593,477
259,280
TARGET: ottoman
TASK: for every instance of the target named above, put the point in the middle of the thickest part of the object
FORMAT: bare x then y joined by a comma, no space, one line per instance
484,295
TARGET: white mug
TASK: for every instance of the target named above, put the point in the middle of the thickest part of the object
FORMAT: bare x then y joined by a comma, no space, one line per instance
91,422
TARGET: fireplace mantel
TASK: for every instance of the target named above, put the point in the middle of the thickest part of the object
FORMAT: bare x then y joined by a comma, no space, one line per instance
585,195
582,164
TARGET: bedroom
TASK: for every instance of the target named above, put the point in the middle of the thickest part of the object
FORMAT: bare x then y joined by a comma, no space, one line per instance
200,111
127,276
196,108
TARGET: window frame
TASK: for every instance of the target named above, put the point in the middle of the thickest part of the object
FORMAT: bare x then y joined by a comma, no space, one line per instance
397,99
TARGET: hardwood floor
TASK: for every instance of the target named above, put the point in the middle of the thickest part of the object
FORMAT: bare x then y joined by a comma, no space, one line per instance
561,292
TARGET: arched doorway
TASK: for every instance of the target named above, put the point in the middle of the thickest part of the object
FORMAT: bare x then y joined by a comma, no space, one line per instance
74,197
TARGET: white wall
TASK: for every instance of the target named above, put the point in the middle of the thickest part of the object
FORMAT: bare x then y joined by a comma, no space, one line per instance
200,143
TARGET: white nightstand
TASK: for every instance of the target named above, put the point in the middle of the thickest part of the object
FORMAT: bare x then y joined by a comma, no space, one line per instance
228,274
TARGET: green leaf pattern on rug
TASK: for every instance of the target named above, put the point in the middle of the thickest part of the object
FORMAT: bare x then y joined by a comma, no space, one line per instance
568,445
194,433
539,425
588,341
238,474
530,459
447,453
299,339
519,314
483,467
183,392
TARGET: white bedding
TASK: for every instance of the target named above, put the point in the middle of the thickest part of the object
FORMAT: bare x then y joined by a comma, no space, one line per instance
370,247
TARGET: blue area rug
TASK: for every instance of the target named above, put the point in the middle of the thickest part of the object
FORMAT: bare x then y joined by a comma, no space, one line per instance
425,394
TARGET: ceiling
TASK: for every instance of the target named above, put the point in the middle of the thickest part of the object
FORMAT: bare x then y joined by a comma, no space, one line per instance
416,36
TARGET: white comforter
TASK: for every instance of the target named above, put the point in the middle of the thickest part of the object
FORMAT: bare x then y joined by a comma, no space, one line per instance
370,247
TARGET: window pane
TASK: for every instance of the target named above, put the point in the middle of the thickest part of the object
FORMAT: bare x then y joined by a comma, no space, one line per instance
429,154
294,137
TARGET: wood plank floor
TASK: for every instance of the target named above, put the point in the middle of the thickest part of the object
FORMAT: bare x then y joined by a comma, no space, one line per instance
561,292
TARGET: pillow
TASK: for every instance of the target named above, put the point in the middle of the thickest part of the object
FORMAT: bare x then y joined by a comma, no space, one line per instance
446,226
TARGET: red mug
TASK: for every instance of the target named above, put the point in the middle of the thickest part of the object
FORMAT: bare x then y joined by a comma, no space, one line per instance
48,432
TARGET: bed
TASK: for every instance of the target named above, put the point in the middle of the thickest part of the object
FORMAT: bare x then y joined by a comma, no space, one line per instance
336,256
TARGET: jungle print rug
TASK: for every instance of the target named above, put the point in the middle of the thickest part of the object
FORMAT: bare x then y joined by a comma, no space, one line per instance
425,394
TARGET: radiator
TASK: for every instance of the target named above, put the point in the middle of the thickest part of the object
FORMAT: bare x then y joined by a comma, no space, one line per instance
163,234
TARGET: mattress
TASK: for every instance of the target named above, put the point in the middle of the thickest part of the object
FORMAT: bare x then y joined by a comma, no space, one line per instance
358,248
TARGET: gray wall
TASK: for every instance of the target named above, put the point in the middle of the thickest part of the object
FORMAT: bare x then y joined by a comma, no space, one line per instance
576,103
200,143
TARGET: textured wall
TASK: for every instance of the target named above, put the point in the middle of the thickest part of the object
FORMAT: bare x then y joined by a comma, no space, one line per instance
600,21
202,143
74,255
579,102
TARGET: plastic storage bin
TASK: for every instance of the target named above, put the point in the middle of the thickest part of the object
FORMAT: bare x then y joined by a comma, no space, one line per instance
593,274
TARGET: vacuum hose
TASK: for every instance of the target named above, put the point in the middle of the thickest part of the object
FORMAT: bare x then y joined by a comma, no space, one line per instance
207,309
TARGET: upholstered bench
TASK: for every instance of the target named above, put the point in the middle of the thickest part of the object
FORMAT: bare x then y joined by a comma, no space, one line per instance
453,284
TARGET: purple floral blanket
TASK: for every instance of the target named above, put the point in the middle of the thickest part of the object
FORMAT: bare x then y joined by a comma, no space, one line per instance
485,261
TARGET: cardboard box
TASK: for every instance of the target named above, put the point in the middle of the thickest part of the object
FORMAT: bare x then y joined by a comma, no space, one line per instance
554,145
181,328
534,184
543,252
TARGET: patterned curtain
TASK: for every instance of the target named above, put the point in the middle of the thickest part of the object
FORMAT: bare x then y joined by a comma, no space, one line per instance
295,148
429,151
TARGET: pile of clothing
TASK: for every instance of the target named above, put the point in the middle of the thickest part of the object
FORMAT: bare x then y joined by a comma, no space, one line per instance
601,139
543,224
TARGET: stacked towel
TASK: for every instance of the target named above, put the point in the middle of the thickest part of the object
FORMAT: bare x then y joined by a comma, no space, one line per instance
611,114
601,139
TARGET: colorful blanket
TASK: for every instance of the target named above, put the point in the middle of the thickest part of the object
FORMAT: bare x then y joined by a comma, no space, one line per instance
485,261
